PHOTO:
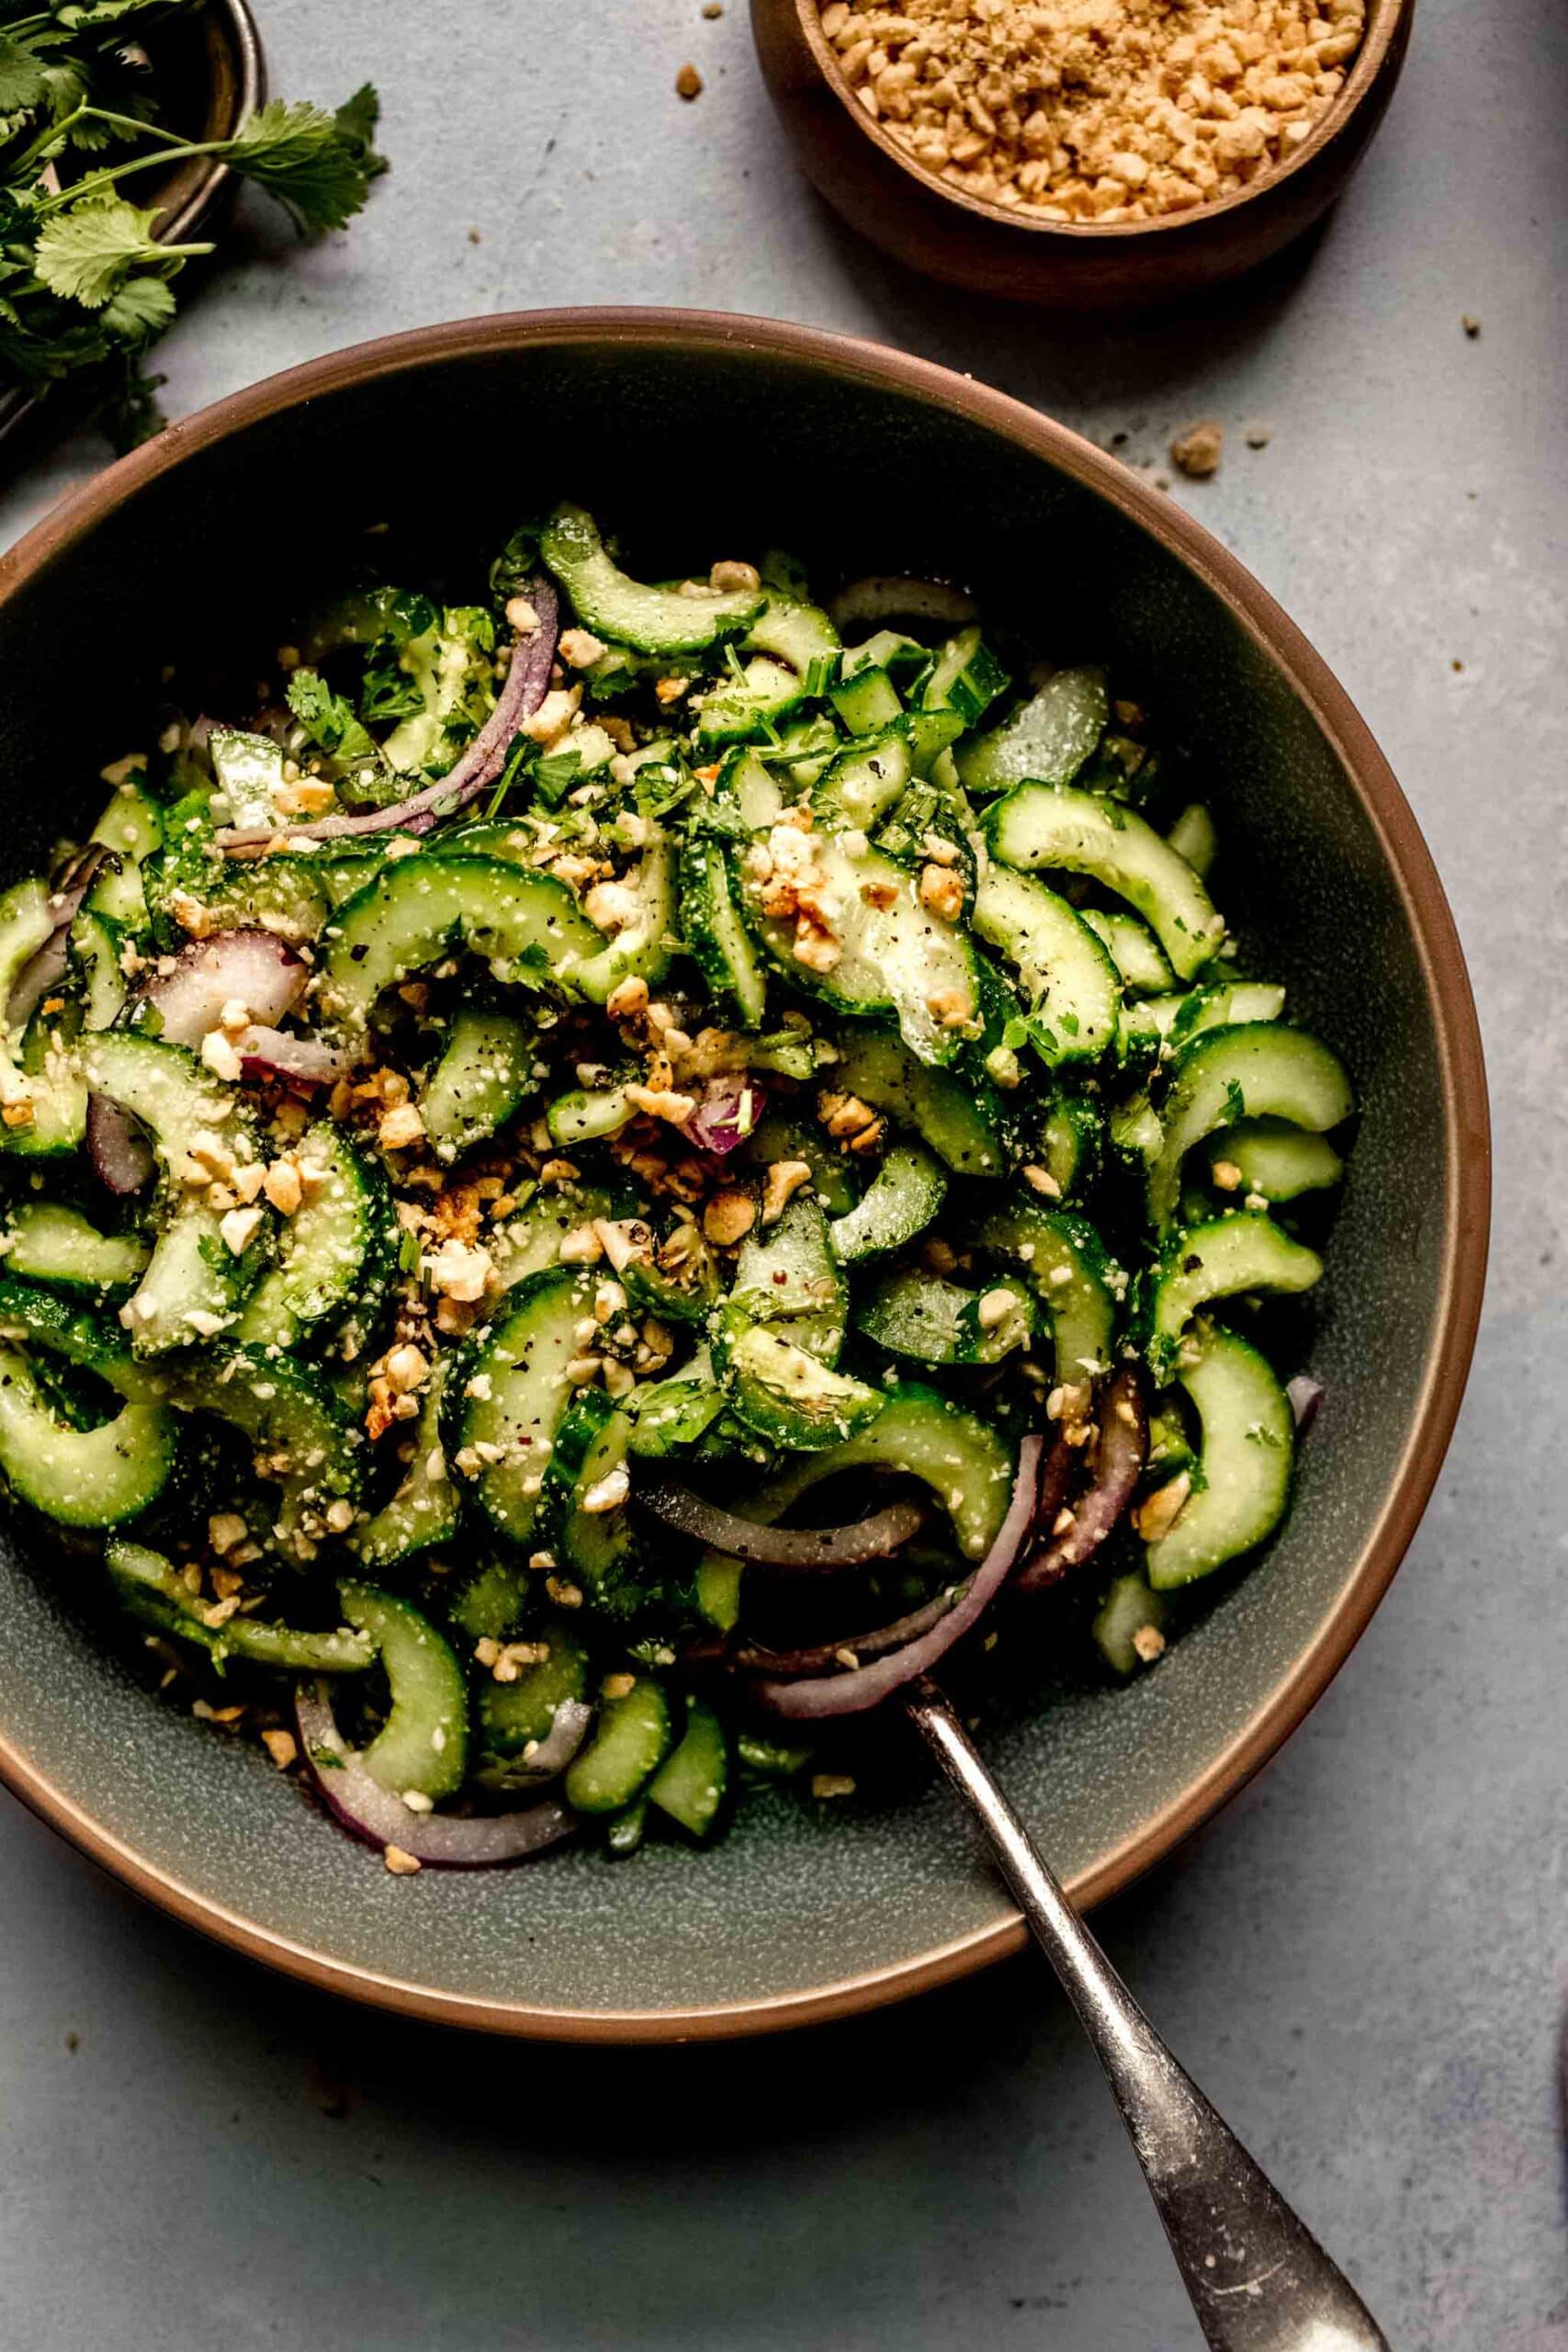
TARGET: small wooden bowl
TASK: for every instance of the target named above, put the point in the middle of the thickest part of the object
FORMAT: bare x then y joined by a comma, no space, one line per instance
988,249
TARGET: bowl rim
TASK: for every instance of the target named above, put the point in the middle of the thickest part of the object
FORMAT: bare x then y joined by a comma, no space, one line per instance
1389,21
1460,1073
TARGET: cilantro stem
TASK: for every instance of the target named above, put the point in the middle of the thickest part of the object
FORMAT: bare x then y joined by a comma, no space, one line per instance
111,177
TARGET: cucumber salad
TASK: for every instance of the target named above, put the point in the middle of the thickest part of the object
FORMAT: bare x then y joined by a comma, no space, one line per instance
600,1177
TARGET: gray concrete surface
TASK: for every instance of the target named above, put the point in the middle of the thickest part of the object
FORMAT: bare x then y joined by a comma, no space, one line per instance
1363,1960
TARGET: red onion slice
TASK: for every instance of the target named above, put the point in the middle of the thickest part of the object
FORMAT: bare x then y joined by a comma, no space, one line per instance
867,1686
778,1547
1118,1465
568,1729
523,690
381,1818
727,1112
121,1155
791,1665
45,968
1306,1395
301,1062
251,966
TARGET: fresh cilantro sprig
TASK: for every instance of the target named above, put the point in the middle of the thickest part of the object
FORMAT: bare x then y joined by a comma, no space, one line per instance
85,286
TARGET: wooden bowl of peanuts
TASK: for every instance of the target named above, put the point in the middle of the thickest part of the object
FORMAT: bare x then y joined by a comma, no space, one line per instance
1087,154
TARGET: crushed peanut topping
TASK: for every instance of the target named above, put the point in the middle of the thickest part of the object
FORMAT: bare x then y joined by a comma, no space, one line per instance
1096,110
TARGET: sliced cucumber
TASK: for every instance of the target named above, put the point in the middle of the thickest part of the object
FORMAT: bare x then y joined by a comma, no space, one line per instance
336,1254
152,1589
1046,740
867,701
57,1092
1130,1608
738,710
1085,833
485,1073
1272,1161
1260,1071
786,1275
96,964
528,927
642,950
920,1315
302,1436
893,955
588,1113
787,1395
530,1241
714,931
673,1413
590,1535
779,1137
515,1394
901,1201
194,1284
1248,1454
132,824
1071,1145
514,1716
423,1748
689,1786
1221,1260
966,677
98,1477
865,782
423,1511
118,893
51,1243
1193,837
1072,984
957,1455
961,1120
79,1335
1137,955
652,620
27,920
490,1602
800,634
1065,1263
630,1743
1224,1007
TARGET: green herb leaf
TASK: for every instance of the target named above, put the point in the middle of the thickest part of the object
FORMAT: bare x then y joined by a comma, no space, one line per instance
316,164
23,80
83,254
138,309
328,719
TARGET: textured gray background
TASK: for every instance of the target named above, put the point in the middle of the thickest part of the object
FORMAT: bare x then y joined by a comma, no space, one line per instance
1362,1960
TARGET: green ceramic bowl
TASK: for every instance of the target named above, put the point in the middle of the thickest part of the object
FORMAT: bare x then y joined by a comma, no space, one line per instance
745,433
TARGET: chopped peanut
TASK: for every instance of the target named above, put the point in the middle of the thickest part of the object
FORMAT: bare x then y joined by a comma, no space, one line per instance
783,1181
728,1216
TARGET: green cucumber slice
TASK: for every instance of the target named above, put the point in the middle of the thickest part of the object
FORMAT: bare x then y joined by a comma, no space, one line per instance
302,1435
1085,833
714,931
736,710
689,1786
514,1394
1065,1263
149,1585
865,782
1137,955
669,1414
423,1511
485,1073
867,701
423,1748
957,1455
596,1546
1193,837
642,950
337,1252
194,1284
629,1745
514,1716
933,1321
1131,1607
1260,1070
132,824
95,959
961,1120
1247,1453
1273,1162
1221,1260
1046,740
48,1242
966,677
786,1275
800,634
901,1201
529,1242
784,1393
1073,987
98,1477
652,620
528,927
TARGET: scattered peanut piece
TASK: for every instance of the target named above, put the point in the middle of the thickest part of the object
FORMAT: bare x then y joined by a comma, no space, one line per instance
1195,451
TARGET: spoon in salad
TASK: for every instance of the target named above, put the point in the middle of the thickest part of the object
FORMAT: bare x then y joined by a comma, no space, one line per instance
1257,2279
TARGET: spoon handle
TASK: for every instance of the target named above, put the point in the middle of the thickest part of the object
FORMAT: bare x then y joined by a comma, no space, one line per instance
1257,2278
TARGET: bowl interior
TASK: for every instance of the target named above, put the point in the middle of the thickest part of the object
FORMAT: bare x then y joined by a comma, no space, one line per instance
695,442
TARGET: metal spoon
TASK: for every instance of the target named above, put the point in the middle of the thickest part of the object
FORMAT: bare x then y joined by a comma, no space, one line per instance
1257,2278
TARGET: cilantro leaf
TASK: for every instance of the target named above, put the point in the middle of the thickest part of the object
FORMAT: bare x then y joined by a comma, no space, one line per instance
328,719
83,253
140,307
23,81
319,169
